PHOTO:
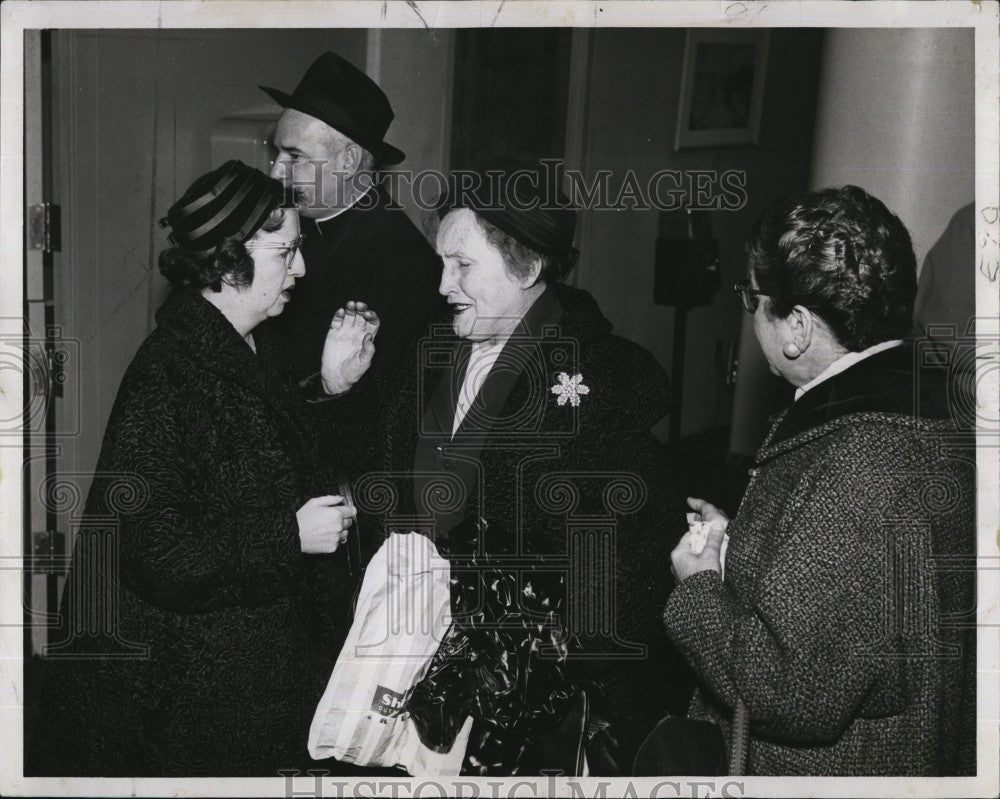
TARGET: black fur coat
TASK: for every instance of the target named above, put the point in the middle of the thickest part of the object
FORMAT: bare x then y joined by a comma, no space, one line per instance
552,507
191,640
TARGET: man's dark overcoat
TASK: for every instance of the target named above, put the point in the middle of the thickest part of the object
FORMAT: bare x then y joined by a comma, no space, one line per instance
371,252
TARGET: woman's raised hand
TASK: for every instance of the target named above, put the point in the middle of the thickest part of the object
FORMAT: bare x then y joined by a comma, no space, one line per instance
349,347
324,523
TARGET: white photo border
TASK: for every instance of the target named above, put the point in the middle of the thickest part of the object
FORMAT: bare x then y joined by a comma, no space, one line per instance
18,16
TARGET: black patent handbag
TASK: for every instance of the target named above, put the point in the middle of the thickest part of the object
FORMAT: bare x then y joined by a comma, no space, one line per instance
582,737
693,748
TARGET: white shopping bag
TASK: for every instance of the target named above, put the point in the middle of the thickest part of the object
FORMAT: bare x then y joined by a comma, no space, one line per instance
402,614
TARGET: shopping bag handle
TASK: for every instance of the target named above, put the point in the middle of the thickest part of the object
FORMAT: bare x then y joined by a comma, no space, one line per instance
352,543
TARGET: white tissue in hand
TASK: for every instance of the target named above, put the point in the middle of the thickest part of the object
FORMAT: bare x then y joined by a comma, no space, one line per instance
699,532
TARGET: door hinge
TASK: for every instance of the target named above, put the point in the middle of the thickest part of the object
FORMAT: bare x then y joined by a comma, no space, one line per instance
56,376
48,552
44,230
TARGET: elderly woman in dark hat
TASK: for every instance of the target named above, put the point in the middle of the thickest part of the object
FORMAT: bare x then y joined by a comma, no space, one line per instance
523,429
830,625
189,644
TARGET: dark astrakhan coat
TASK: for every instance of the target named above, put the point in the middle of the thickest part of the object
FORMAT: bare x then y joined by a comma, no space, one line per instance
843,618
551,506
214,653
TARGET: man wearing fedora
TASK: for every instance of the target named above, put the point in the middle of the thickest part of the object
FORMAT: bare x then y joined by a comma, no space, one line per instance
359,245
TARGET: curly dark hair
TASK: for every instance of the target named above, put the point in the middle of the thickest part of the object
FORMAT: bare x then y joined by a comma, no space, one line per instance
229,261
843,255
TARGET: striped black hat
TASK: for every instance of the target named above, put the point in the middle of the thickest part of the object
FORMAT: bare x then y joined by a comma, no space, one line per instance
231,201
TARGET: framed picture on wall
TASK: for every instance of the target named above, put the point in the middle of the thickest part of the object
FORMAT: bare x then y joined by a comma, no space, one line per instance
722,88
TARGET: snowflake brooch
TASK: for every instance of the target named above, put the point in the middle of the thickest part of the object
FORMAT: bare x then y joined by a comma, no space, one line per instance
570,389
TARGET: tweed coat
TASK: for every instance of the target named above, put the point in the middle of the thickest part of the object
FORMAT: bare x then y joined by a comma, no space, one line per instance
840,619
217,656
548,480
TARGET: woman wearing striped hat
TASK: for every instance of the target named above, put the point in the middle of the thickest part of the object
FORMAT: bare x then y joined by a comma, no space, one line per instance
189,644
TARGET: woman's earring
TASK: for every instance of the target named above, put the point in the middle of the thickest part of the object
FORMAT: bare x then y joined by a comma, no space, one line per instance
791,351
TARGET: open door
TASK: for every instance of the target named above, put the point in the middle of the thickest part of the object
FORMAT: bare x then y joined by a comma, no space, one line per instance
47,360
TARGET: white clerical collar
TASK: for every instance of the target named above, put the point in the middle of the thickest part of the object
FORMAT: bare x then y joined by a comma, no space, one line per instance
339,211
845,362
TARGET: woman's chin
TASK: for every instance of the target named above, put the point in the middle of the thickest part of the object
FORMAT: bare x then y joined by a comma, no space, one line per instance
277,308
468,329
472,335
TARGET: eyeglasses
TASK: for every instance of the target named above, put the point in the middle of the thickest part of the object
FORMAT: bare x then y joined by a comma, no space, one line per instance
291,248
750,296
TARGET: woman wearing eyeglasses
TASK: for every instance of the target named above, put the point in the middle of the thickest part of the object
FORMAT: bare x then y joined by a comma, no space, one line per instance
837,621
205,659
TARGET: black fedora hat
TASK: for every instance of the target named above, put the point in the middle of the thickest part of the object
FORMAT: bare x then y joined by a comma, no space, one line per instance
338,93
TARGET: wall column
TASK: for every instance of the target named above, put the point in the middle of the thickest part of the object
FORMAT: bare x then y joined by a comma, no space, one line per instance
896,116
